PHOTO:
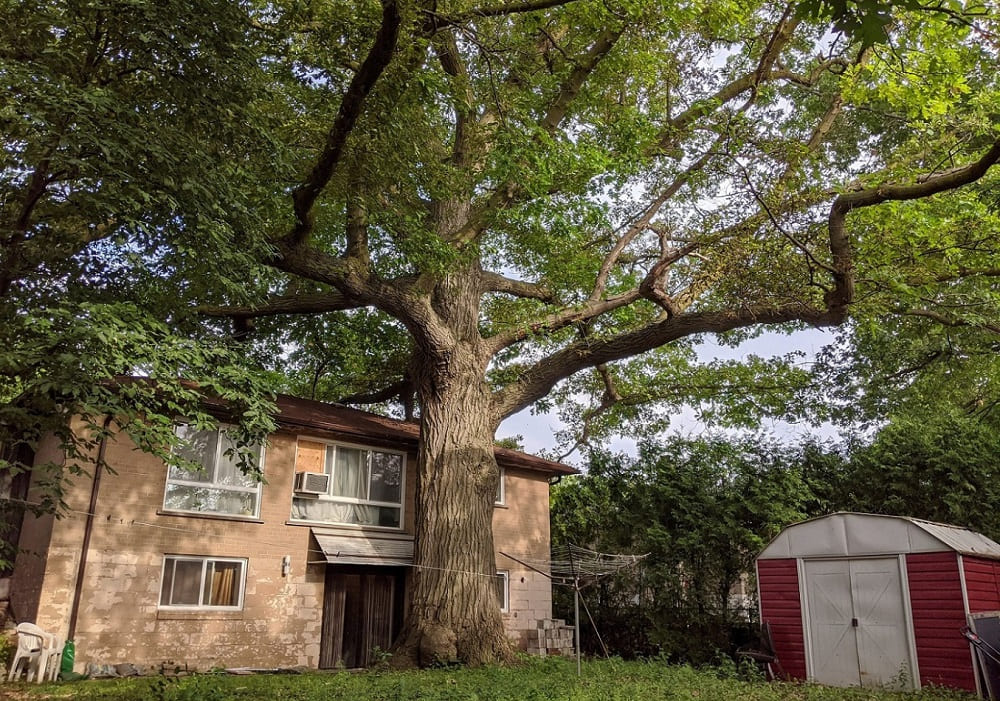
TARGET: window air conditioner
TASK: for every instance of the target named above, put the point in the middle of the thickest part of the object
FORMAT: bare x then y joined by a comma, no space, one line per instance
314,483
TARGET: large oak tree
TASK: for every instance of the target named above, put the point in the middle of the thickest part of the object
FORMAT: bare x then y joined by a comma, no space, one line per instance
533,190
499,201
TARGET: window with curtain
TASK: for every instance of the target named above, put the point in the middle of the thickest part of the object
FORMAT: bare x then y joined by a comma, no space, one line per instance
366,489
202,582
219,487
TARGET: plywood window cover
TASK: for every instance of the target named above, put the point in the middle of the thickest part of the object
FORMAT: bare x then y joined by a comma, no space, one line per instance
326,444
305,461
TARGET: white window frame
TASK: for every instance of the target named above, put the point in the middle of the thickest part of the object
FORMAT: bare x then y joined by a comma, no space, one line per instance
502,489
214,485
204,560
350,500
505,604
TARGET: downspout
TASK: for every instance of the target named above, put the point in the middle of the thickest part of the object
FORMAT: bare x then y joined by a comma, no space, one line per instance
88,528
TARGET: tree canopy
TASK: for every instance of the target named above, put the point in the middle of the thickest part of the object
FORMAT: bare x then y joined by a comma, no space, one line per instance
126,130
476,207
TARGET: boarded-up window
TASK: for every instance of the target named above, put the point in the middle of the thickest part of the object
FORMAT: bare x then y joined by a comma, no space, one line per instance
365,486
310,456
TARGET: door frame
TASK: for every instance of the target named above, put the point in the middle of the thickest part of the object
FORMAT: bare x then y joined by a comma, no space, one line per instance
911,643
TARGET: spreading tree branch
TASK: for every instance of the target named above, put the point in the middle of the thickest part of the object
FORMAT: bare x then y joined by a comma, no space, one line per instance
964,272
357,230
652,286
311,303
538,380
642,222
378,59
448,54
945,320
842,293
675,126
494,282
507,193
508,9
561,320
398,390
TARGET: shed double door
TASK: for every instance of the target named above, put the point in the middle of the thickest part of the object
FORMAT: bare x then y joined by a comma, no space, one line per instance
857,624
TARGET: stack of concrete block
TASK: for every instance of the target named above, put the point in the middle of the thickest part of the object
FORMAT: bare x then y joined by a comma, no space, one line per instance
552,637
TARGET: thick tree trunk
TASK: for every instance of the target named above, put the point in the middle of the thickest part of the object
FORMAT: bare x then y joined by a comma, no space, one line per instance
454,615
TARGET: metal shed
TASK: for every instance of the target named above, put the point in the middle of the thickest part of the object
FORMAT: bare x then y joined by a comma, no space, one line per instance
864,599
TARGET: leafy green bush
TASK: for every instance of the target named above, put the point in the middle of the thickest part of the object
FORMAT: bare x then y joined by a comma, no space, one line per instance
7,646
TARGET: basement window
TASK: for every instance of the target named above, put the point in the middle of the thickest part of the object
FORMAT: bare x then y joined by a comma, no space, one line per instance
203,583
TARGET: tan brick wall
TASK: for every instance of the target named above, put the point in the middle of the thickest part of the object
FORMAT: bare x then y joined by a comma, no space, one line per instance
119,619
521,529
44,565
280,624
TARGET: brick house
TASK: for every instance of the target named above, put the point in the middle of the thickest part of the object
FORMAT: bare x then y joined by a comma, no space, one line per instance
309,569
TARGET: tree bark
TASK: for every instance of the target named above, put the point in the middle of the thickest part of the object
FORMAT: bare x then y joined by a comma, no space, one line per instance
454,615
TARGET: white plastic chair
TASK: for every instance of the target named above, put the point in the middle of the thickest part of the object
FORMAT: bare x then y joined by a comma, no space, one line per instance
53,654
31,642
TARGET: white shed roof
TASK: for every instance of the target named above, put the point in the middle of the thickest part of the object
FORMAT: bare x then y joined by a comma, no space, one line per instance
854,535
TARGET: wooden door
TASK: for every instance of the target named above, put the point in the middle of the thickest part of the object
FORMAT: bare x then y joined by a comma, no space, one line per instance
359,615
331,649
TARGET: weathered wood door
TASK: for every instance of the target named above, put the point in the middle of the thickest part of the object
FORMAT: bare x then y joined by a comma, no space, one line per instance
361,610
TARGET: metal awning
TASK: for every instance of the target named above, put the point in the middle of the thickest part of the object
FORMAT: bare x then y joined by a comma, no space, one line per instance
388,551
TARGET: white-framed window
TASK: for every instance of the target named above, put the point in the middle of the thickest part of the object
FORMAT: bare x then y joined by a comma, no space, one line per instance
365,489
192,582
503,590
501,488
219,487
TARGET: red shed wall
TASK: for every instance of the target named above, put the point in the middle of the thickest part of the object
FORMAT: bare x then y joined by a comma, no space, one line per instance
982,582
938,610
780,605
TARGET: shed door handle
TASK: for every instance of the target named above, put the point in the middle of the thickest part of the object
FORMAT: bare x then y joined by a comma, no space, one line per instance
854,622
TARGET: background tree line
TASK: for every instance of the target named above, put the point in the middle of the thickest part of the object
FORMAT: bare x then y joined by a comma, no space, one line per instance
702,508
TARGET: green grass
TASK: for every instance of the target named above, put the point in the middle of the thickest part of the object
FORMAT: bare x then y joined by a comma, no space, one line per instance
608,680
